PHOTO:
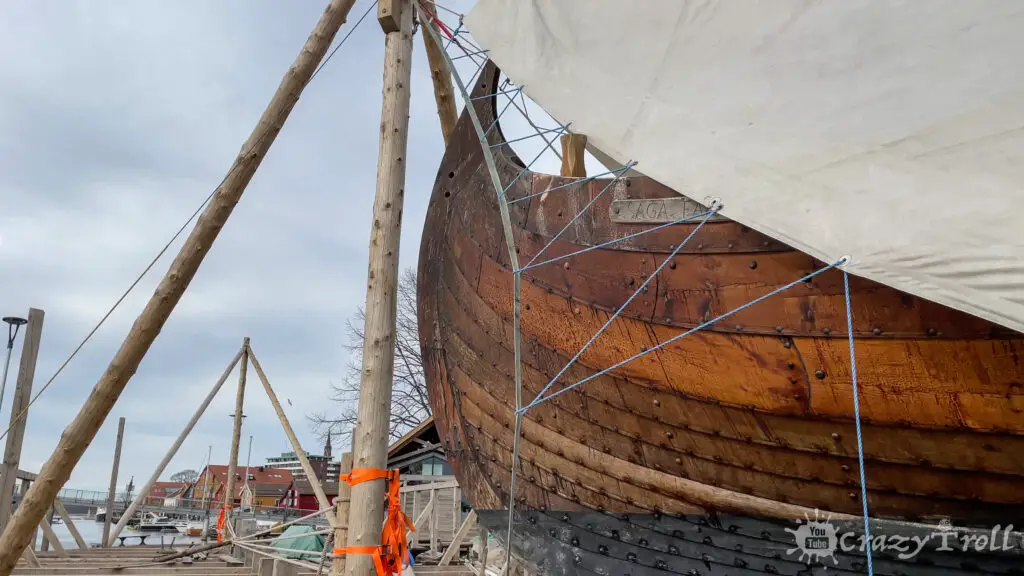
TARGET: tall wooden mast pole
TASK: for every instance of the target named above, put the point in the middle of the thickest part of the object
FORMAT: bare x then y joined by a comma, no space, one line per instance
236,434
366,516
446,111
79,434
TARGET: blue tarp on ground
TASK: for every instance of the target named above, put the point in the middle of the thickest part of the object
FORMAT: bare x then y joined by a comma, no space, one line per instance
310,543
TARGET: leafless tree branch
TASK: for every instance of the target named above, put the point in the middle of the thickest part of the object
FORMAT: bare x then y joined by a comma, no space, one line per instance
409,403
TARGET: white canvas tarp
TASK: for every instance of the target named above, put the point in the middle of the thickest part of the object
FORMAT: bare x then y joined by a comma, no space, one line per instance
890,132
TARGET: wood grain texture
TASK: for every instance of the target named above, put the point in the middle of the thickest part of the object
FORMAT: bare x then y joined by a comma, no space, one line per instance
77,437
366,512
753,415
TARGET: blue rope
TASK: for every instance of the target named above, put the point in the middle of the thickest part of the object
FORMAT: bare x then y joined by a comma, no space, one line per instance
520,139
486,96
593,338
455,34
498,117
856,415
616,172
574,218
539,399
471,54
530,164
612,241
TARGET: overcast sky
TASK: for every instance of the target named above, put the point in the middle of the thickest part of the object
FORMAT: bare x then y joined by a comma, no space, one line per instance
116,119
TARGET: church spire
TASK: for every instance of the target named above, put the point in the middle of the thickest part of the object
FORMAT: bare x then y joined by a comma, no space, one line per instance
327,446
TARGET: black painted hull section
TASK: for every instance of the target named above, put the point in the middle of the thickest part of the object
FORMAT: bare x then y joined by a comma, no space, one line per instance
588,543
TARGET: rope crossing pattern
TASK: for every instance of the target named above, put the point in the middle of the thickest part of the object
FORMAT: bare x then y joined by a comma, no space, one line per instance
500,190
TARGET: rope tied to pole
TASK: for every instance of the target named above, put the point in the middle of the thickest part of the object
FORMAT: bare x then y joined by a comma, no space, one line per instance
391,556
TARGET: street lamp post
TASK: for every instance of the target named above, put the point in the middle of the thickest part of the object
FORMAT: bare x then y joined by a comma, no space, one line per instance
13,325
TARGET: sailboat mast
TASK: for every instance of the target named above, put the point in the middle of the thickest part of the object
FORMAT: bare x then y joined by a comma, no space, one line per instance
80,433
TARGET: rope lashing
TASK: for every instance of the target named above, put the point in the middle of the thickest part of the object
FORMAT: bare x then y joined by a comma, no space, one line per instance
390,557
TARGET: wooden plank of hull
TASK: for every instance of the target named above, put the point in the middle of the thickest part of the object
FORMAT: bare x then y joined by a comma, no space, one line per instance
739,408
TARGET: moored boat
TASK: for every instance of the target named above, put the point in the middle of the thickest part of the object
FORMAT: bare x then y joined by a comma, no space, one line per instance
699,456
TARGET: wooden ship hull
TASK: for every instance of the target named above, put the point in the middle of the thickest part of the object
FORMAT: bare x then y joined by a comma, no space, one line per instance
698,457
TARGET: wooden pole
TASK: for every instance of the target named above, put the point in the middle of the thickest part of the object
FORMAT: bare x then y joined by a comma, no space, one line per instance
79,434
314,481
63,513
573,147
113,483
446,111
44,544
366,516
341,511
236,434
51,537
16,433
144,492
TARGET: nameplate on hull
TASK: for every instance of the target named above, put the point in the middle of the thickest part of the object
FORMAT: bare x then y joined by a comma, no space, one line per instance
656,211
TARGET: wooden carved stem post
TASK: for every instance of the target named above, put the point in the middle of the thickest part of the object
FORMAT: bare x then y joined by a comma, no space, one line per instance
366,517
573,147
236,433
79,434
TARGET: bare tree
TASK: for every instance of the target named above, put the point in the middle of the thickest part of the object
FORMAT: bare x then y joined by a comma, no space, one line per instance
187,476
409,405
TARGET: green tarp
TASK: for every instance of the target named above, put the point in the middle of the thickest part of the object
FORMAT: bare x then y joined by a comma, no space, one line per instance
311,543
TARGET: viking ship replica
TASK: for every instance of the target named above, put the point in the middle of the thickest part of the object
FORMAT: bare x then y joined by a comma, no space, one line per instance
838,137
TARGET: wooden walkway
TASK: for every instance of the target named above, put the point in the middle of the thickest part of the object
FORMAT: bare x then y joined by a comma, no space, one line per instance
102,561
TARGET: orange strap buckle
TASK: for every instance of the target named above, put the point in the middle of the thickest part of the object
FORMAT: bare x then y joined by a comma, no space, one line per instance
390,557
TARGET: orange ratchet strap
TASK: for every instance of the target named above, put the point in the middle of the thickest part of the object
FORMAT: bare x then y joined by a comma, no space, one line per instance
221,519
390,557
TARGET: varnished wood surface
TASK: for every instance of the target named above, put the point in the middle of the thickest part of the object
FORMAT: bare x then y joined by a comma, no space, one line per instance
756,410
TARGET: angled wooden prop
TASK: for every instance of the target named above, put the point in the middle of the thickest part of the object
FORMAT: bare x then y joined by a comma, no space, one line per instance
144,492
314,481
76,438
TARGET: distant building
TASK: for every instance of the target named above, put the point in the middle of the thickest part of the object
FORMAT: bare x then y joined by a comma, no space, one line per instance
216,475
323,465
167,489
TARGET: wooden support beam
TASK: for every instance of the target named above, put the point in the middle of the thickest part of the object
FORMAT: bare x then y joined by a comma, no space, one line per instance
19,412
77,436
30,557
63,513
341,510
374,411
484,536
427,512
389,15
113,483
443,91
314,480
573,148
51,537
44,545
453,548
144,492
236,433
